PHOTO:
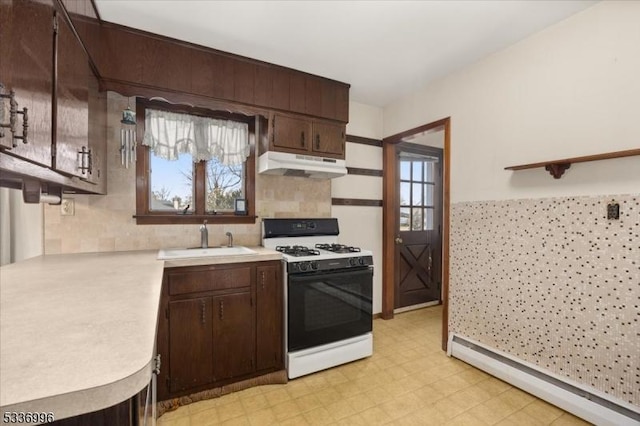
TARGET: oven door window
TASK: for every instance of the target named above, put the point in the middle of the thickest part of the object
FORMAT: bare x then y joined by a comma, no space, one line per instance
327,307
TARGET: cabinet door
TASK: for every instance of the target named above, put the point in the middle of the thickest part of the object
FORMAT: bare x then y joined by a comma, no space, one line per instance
72,100
26,66
269,314
97,134
290,134
328,139
234,338
191,344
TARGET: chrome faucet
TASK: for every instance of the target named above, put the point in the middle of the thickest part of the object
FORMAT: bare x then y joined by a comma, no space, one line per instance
230,241
204,235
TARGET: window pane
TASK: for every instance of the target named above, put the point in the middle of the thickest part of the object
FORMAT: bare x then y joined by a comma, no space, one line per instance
428,219
171,184
405,170
416,219
429,171
405,193
417,171
417,195
428,195
224,185
405,217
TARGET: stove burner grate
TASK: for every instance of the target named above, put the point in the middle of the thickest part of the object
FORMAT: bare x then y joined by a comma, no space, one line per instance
297,251
338,248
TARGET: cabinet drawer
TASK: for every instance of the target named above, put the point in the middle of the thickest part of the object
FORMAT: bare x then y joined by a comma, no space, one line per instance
208,280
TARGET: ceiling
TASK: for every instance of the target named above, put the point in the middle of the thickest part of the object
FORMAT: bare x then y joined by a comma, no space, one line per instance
384,49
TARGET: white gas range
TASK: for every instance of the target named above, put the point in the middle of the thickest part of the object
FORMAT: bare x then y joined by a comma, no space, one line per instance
328,288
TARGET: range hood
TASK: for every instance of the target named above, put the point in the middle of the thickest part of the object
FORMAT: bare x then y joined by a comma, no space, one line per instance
287,164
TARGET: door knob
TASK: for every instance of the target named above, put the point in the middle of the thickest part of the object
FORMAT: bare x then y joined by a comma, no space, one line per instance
398,240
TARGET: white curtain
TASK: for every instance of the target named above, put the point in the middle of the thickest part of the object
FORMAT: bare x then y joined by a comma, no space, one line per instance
170,134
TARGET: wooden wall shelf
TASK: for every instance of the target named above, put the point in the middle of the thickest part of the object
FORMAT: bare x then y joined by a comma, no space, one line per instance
557,167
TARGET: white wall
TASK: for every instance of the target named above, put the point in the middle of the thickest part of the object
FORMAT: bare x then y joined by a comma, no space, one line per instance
20,227
362,226
569,90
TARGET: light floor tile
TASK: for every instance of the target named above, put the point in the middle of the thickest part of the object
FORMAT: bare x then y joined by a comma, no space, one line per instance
408,381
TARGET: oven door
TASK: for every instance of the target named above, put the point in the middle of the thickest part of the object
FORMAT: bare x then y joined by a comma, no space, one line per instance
325,307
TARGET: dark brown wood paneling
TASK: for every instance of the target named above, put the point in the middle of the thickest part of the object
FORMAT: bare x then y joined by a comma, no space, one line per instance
263,86
297,92
118,54
244,80
355,202
364,141
208,280
313,95
292,134
224,77
364,172
328,138
342,102
281,89
202,78
328,103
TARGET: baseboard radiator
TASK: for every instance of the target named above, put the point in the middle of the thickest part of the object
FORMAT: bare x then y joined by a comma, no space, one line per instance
585,402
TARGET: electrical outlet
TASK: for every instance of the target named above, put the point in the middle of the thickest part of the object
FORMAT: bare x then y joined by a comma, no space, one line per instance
613,211
68,207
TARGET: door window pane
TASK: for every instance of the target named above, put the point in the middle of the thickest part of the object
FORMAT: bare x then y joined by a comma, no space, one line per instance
417,171
429,171
405,193
171,183
428,219
416,219
417,195
405,170
405,219
428,195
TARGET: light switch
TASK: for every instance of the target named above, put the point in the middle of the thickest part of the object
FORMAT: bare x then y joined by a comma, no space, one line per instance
67,207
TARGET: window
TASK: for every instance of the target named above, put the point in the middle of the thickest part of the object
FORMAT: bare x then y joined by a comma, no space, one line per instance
417,184
171,187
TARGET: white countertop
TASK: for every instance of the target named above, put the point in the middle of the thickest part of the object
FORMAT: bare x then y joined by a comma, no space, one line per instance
77,331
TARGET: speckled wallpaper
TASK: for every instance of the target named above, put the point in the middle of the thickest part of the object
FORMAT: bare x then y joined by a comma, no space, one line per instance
552,282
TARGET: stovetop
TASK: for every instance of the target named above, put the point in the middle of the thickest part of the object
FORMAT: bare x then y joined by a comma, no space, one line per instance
312,245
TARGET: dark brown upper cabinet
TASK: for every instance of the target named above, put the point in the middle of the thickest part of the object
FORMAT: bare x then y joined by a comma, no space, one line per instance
303,135
72,104
46,66
133,62
26,68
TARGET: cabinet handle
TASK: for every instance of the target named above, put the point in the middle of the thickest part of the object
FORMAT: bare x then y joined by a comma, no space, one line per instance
13,114
202,312
84,156
262,279
430,260
221,316
302,143
318,141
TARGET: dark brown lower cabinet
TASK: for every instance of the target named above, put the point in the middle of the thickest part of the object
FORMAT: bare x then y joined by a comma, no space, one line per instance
219,324
234,336
191,350
269,308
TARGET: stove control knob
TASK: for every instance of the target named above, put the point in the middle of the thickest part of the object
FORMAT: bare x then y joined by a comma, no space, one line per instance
314,265
361,260
304,266
353,261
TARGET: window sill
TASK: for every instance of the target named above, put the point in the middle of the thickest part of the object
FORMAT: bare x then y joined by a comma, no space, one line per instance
189,219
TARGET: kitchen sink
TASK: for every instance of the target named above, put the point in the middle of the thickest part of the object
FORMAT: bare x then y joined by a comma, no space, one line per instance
166,254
